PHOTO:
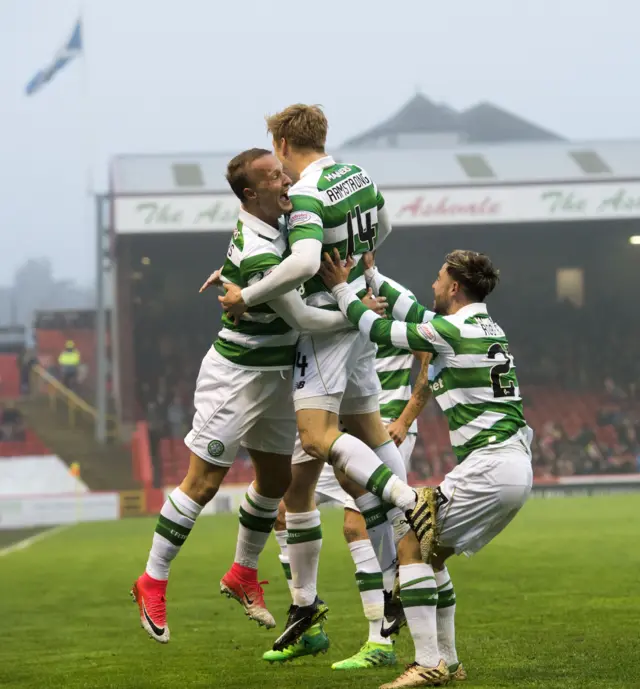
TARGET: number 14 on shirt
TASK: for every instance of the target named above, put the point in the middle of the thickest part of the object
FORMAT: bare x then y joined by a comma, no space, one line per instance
365,231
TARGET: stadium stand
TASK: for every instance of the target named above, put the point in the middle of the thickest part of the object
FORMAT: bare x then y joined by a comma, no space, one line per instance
585,421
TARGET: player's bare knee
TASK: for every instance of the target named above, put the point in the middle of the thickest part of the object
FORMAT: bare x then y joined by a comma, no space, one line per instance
313,444
203,480
354,527
202,487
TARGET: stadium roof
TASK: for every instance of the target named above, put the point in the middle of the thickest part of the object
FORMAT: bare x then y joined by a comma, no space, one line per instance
421,122
554,161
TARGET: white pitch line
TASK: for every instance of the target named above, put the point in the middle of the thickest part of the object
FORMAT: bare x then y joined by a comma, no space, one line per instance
27,542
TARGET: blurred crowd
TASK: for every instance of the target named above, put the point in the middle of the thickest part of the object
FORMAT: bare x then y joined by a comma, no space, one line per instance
558,453
574,348
12,425
563,347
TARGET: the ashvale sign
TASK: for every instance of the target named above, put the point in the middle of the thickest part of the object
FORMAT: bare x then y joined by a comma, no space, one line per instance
446,206
176,213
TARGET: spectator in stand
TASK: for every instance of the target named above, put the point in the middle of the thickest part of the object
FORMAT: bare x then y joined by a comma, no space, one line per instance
69,364
158,428
12,424
26,361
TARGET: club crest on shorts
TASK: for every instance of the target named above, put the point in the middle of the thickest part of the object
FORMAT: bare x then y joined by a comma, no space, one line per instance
215,448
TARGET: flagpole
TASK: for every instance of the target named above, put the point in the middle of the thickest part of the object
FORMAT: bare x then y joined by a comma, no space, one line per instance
95,206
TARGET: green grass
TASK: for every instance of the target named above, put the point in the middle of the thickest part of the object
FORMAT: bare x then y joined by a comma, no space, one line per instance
553,602
9,537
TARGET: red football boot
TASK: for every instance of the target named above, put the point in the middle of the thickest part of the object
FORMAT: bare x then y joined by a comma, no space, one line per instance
150,596
241,584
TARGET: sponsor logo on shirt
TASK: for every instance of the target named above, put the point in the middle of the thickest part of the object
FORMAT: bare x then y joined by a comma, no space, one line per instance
332,176
427,331
300,218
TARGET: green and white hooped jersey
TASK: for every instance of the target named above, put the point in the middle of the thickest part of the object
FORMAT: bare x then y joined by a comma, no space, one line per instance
262,340
474,380
338,204
393,366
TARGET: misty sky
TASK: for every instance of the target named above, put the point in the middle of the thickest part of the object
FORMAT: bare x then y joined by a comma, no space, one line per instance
199,75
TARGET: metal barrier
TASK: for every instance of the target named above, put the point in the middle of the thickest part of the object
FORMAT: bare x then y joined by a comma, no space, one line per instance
79,412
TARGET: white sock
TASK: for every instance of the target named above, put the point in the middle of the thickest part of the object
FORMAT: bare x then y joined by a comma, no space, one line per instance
281,537
304,542
419,597
176,519
389,455
369,579
361,464
257,517
446,613
380,534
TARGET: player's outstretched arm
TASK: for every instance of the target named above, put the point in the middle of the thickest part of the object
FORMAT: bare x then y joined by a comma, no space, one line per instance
298,267
379,330
402,305
300,316
295,313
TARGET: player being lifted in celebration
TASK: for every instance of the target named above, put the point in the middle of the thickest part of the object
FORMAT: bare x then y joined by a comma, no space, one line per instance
335,206
476,387
243,397
369,536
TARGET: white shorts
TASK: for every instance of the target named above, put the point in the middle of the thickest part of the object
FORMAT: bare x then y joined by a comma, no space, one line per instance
328,488
483,494
239,407
339,366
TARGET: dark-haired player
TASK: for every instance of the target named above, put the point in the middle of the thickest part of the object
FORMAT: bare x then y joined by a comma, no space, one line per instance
475,384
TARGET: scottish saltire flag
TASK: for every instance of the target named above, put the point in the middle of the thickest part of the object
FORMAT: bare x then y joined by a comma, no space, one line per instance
63,57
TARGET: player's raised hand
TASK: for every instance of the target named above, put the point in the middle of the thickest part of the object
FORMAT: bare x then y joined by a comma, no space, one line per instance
213,280
376,304
232,302
398,432
332,271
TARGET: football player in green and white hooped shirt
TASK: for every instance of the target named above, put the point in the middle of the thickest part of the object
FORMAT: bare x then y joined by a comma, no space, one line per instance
369,535
242,397
476,387
335,205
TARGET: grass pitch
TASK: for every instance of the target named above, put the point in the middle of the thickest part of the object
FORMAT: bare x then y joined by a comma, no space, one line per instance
554,601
